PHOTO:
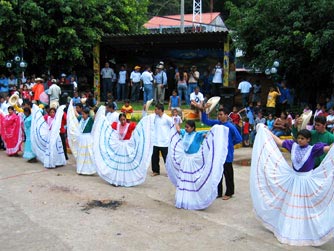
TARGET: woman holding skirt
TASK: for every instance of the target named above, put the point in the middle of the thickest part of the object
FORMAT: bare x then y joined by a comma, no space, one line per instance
11,131
121,157
195,167
294,202
28,152
79,128
45,139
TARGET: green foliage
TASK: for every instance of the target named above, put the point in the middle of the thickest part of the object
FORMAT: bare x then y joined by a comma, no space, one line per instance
63,33
298,33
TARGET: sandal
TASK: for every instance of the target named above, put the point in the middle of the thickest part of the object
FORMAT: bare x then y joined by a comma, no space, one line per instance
226,197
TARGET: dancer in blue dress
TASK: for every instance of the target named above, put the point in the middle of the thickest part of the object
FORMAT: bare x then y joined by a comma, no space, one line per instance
28,152
194,164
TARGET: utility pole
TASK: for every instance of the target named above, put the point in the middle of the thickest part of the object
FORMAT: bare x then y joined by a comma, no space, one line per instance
197,15
182,17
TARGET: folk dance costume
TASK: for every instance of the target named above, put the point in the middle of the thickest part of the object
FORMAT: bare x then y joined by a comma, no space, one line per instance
28,152
11,132
80,140
45,141
196,169
124,132
295,203
119,160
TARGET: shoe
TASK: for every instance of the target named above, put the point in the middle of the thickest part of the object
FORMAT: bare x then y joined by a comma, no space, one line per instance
226,197
219,196
154,174
33,160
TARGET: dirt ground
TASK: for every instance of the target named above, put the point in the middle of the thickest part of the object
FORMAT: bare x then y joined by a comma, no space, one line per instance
59,210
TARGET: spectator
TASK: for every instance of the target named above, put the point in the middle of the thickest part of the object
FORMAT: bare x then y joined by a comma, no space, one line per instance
217,81
147,80
192,81
127,109
121,86
271,100
161,83
181,78
135,77
244,88
106,74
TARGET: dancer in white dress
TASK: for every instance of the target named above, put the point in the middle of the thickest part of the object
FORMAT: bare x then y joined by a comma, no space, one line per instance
194,168
80,139
122,162
45,139
295,203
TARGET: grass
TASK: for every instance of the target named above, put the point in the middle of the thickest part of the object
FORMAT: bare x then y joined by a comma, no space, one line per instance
138,107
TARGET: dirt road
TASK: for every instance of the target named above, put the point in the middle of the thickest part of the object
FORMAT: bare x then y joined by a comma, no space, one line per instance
47,210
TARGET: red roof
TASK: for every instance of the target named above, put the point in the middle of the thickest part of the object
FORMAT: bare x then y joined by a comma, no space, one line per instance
175,20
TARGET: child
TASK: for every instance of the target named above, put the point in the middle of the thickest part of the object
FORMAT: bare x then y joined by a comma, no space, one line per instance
258,120
174,101
235,117
270,122
245,131
176,117
128,110
271,100
76,99
249,113
110,100
26,94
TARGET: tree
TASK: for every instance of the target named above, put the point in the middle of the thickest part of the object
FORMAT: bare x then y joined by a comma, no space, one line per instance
299,33
60,34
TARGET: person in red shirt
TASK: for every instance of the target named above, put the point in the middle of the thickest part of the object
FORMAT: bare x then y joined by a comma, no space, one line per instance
246,131
235,117
123,128
62,133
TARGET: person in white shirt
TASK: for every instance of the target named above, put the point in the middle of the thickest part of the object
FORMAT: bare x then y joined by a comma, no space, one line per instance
54,93
217,80
121,86
245,87
135,83
196,98
330,120
147,79
162,125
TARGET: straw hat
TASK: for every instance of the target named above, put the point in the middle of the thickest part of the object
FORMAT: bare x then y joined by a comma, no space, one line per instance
213,101
305,117
13,100
137,67
148,103
39,80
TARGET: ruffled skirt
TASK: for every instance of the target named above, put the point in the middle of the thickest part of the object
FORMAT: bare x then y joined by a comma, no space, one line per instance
297,207
122,162
47,144
85,159
196,176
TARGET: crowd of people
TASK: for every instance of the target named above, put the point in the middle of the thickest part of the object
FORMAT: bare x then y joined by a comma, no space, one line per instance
159,82
109,143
